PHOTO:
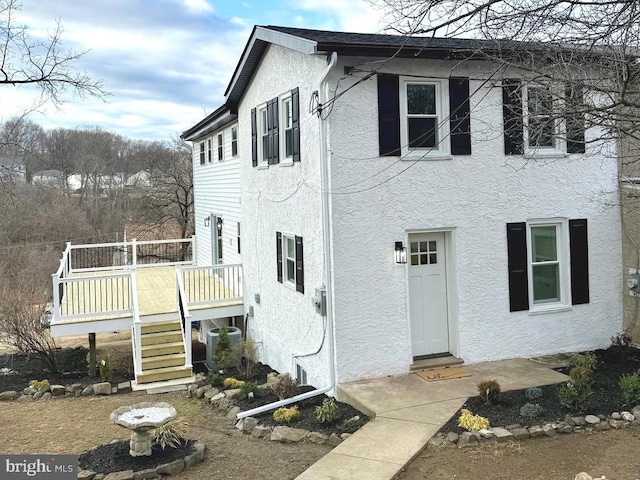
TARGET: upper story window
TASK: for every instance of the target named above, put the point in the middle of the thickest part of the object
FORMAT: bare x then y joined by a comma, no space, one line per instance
234,141
541,124
220,147
264,136
423,115
287,128
209,150
202,153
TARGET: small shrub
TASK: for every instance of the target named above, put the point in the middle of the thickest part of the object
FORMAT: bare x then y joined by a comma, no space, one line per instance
287,415
106,371
630,388
586,360
489,390
352,425
215,380
328,411
233,383
533,393
246,352
284,386
576,394
471,422
171,434
223,355
531,410
246,389
39,385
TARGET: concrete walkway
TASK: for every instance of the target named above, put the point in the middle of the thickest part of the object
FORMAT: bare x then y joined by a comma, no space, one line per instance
408,412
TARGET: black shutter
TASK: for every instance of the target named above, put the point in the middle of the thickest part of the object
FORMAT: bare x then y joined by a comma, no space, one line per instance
518,277
299,265
574,120
579,261
512,117
389,115
279,255
270,122
459,116
275,138
295,123
254,138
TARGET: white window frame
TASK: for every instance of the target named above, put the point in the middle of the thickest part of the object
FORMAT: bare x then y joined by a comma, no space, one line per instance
262,122
234,141
285,259
563,260
442,148
282,128
559,147
209,147
220,150
201,153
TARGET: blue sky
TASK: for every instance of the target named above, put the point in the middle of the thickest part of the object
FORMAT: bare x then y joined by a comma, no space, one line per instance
165,63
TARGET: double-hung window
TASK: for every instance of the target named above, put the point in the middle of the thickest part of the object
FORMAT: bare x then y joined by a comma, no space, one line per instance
234,141
546,263
290,262
424,125
202,158
209,150
220,147
542,126
287,128
263,139
289,250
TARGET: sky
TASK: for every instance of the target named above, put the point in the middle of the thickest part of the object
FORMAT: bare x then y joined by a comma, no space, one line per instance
164,63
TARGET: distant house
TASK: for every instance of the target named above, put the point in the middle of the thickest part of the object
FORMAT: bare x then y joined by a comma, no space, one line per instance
47,178
140,179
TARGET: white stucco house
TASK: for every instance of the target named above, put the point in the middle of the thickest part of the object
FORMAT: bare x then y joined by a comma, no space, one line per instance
390,202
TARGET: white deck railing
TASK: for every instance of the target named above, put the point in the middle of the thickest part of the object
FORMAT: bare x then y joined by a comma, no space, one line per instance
213,284
185,316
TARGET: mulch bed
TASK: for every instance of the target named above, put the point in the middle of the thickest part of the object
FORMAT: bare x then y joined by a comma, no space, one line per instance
72,363
612,364
115,457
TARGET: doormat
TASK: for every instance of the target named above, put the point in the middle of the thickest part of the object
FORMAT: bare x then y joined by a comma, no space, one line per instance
443,374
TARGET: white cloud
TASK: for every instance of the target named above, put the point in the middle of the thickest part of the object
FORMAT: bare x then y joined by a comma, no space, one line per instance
198,6
350,15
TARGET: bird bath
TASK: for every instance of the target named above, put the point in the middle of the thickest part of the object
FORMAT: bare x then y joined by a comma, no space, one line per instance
140,418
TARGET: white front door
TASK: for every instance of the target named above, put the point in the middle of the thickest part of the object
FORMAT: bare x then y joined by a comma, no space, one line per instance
428,294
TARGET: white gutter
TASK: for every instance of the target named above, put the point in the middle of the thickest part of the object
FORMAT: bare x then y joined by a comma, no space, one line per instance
326,245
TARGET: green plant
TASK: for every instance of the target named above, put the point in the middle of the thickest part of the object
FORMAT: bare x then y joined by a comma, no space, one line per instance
247,390
215,380
233,383
245,352
106,371
223,355
286,415
586,360
531,410
352,425
533,393
471,422
284,386
630,388
328,411
576,394
489,390
171,434
39,385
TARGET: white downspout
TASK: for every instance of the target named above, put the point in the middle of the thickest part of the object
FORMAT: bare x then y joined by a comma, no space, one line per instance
326,245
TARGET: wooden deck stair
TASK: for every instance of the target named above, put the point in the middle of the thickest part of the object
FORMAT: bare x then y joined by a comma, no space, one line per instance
163,354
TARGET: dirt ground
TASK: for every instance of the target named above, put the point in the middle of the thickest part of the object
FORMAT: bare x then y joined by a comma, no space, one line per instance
72,425
613,453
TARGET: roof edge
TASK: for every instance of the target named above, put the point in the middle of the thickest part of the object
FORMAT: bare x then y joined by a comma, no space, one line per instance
215,120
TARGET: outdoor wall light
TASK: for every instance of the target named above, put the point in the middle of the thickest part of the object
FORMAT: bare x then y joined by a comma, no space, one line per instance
219,225
401,253
207,221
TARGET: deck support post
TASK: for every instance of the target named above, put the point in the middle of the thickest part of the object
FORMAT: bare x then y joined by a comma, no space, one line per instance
92,355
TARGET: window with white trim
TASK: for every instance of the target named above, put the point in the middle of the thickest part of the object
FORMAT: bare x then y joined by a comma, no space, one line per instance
209,150
548,260
289,252
202,158
234,141
543,128
289,260
287,128
424,125
220,147
263,135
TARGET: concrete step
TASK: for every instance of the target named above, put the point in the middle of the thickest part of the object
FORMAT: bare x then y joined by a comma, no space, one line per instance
156,350
162,361
167,373
169,326
436,362
161,337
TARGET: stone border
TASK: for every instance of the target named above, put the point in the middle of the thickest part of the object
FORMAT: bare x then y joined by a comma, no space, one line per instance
165,469
223,400
571,424
73,390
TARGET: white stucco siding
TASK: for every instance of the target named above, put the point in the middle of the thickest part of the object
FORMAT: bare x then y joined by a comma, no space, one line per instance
284,198
377,201
216,187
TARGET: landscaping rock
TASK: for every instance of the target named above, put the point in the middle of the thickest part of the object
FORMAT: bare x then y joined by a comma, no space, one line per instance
38,395
86,475
99,476
173,468
467,439
224,403
210,393
200,391
345,435
191,389
578,429
616,416
317,437
125,475
333,440
215,400
603,426
616,423
9,395
103,388
29,391
25,398
452,437
272,378
502,434
591,419
635,411
58,390
486,434
260,431
233,411
628,417
536,431
44,389
87,391
46,396
564,427
231,392
549,430
148,474
74,387
583,476
288,434
520,433
568,419
247,424
513,426
124,387
580,421
201,448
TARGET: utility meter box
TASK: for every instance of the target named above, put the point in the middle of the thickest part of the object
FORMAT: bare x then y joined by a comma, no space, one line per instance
212,340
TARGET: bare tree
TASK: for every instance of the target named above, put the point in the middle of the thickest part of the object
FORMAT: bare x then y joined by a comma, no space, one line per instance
45,64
